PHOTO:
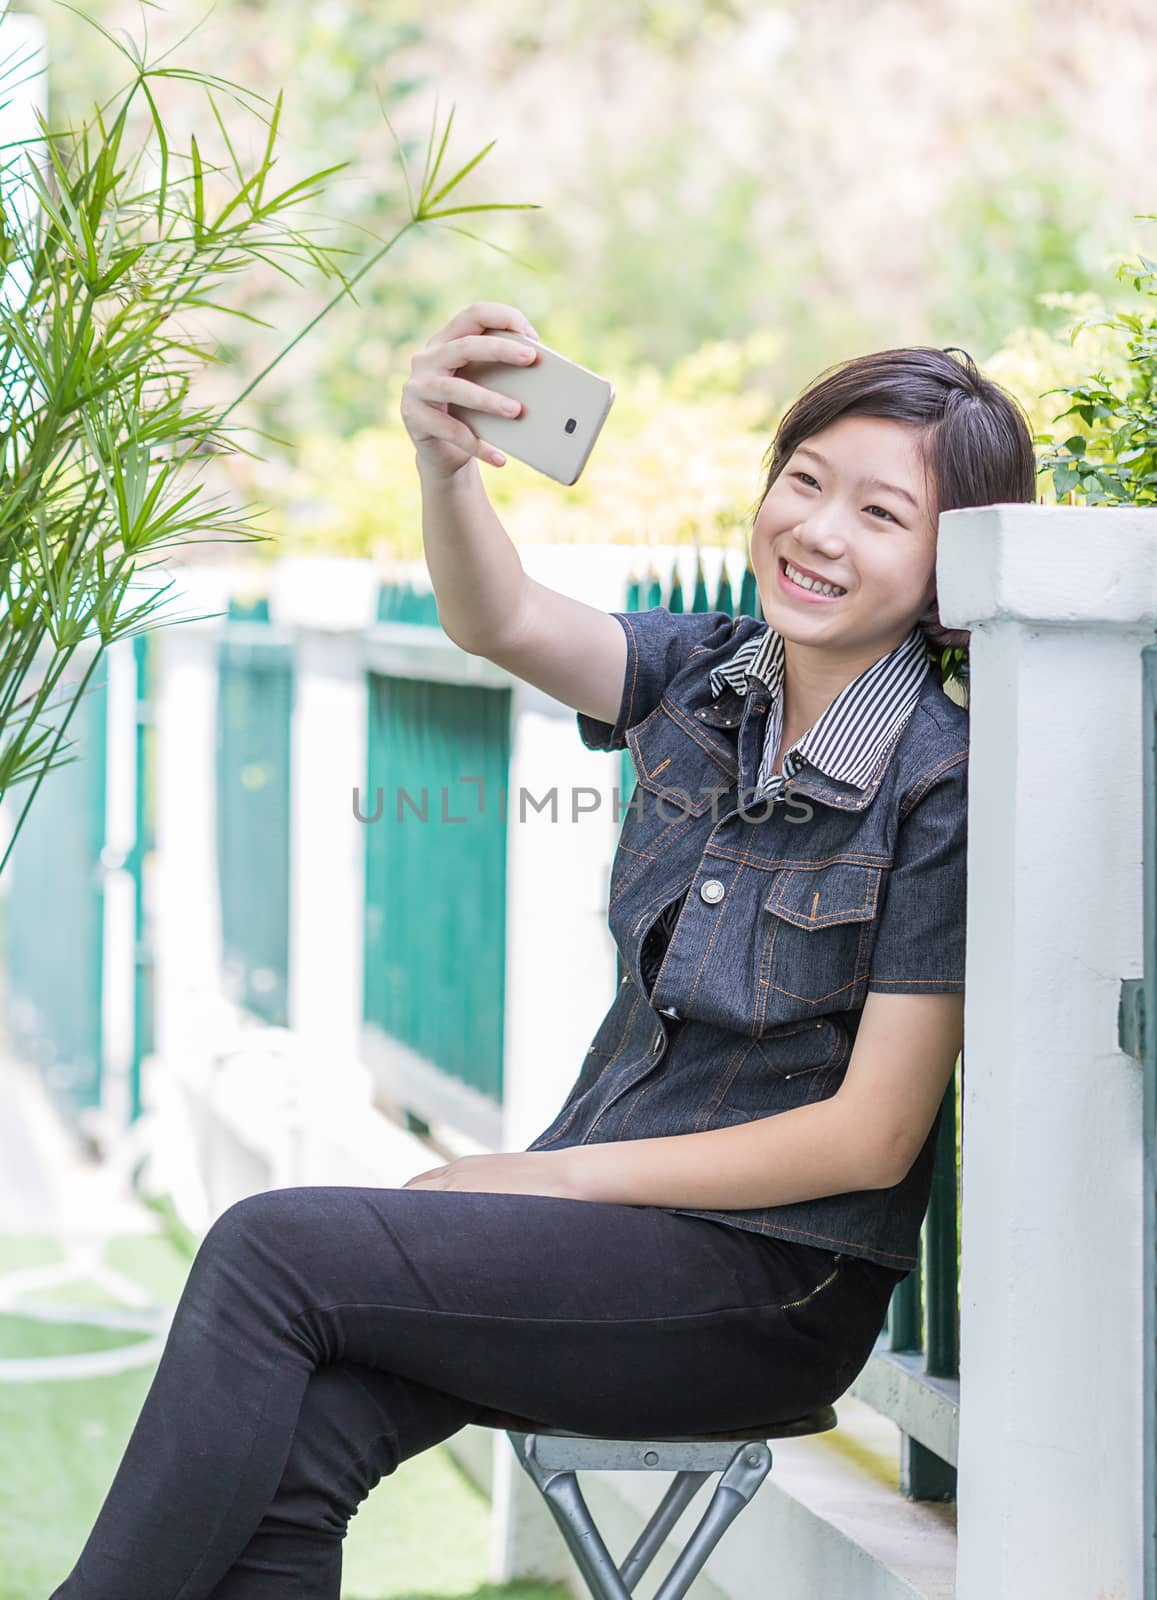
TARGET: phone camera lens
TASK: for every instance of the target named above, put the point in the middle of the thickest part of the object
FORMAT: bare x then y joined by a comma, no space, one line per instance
571,425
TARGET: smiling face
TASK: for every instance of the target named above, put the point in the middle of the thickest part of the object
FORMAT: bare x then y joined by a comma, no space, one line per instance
850,506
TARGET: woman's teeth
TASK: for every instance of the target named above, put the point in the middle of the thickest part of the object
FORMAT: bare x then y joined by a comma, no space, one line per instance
811,583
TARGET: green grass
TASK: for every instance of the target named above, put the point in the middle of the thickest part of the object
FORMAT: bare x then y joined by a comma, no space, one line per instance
61,1442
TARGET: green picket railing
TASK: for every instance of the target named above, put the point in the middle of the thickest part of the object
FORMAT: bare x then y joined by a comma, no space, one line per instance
403,602
914,1374
435,873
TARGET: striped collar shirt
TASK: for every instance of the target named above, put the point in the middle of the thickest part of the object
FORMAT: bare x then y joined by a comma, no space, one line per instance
849,739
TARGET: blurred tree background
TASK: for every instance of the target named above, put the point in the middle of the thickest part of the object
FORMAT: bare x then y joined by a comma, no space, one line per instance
735,195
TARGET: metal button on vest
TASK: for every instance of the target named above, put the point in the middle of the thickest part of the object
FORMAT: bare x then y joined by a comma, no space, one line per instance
658,1044
669,1011
712,891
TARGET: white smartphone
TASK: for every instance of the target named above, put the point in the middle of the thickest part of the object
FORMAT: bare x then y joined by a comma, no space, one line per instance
563,409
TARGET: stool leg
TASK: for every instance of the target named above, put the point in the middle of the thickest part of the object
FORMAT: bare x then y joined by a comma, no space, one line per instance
745,1472
671,1507
749,1466
563,1496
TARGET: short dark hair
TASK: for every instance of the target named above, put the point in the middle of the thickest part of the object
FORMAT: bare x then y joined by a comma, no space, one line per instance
975,439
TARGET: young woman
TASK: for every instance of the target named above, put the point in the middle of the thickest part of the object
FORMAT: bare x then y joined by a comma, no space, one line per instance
709,1232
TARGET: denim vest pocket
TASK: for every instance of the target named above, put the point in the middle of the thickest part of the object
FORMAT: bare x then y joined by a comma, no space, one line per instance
778,1072
817,943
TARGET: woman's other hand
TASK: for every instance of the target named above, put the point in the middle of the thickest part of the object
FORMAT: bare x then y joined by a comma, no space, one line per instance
507,1172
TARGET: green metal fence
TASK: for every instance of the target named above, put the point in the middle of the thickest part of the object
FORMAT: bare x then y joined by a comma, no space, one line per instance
254,710
54,930
435,899
914,1376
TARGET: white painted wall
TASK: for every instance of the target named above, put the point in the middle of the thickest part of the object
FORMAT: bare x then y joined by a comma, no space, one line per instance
1060,601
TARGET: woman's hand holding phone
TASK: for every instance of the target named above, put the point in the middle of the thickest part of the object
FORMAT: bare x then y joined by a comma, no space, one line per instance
443,443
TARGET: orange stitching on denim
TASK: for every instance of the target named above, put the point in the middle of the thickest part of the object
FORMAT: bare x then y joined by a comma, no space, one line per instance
721,1087
907,801
706,952
806,1233
797,1072
834,920
674,714
605,1066
818,999
715,929
835,1063
764,980
675,930
626,1089
771,863
635,668
763,975
633,1106
924,982
896,1255
721,753
627,880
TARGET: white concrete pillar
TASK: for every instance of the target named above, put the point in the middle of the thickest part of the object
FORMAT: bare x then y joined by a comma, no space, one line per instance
193,1020
1060,601
118,970
560,958
189,1004
328,602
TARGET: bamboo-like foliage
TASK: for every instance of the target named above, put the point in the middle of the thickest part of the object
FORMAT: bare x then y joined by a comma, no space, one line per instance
109,238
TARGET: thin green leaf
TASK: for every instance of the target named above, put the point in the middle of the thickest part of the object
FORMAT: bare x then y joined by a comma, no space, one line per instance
469,167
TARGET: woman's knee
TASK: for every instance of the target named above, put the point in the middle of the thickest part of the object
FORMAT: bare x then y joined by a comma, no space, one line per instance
255,1235
274,1215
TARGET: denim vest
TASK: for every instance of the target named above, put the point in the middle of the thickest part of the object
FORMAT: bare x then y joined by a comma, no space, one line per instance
796,909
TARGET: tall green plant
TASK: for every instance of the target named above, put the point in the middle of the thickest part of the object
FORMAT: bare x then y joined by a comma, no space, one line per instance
108,238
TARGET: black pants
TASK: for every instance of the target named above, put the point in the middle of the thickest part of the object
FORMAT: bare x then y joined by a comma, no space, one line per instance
326,1334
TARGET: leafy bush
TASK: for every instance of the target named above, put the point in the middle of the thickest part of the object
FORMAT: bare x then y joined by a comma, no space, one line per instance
1113,461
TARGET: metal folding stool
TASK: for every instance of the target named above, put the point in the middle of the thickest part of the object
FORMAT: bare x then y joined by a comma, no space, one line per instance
552,1456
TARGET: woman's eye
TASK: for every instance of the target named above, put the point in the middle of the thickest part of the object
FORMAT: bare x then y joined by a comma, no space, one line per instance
810,479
